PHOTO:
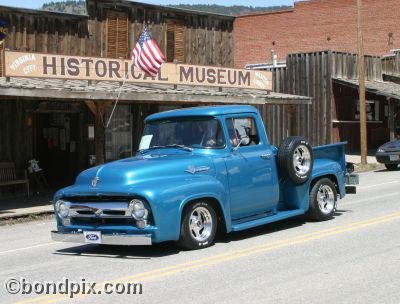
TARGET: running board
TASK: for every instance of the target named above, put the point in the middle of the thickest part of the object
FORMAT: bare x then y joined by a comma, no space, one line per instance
265,220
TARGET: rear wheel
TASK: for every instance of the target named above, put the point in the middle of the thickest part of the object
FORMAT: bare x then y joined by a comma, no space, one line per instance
323,197
199,225
391,166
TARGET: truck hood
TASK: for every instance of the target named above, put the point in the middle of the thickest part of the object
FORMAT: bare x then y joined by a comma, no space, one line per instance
149,167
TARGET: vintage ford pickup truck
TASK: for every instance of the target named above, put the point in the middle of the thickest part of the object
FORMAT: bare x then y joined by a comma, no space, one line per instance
199,170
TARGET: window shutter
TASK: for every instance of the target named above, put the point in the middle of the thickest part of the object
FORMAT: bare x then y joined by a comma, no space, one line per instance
179,43
117,35
170,42
175,42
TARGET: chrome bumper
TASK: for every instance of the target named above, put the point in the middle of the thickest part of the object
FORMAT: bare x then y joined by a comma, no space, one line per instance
106,239
351,180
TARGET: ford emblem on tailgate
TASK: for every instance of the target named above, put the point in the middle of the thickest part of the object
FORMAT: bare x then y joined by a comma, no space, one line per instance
92,237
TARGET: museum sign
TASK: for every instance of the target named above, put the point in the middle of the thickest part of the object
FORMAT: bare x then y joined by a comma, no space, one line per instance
24,64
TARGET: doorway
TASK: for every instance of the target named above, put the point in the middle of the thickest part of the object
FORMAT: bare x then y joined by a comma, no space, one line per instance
56,144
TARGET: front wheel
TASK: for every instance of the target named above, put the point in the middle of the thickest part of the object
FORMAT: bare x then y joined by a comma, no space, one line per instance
323,197
391,167
199,225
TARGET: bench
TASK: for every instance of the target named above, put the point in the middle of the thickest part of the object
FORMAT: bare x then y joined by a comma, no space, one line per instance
8,176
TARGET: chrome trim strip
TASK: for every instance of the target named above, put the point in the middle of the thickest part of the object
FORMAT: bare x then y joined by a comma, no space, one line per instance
106,239
99,210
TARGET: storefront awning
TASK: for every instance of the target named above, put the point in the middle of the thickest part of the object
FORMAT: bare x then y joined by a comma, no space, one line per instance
382,88
83,90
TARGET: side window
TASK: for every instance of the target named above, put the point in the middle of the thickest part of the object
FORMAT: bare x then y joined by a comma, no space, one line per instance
242,130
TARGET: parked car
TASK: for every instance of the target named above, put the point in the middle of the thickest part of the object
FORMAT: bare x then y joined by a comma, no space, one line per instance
389,154
199,170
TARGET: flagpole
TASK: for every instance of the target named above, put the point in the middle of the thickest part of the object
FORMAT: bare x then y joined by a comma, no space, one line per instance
116,101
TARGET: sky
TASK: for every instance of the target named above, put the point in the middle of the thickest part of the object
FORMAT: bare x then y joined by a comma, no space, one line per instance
38,3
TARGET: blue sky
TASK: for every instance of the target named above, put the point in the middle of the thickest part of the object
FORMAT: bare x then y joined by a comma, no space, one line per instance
38,3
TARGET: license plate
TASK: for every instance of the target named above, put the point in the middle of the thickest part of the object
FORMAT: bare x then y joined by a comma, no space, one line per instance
93,237
394,157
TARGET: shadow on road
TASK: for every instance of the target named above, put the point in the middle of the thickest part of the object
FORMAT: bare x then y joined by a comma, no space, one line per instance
171,248
385,170
121,252
262,230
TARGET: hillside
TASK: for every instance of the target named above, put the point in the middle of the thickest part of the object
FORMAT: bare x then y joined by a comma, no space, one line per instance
79,7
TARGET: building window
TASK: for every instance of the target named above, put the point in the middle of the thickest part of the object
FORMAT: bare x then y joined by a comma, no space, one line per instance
117,35
175,41
119,133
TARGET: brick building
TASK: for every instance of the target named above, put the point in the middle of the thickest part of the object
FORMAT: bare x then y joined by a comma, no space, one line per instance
316,25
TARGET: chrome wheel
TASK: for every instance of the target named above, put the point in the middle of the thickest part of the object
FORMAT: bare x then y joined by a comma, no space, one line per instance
326,199
302,160
200,224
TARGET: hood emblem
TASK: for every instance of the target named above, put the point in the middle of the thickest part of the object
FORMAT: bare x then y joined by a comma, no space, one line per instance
98,212
95,180
193,169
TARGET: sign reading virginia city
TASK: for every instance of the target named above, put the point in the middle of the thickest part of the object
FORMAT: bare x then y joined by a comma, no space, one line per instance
22,64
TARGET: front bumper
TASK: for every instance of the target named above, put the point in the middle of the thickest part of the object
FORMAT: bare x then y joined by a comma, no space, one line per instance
388,157
106,239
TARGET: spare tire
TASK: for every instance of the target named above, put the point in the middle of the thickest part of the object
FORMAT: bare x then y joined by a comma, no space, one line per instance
295,159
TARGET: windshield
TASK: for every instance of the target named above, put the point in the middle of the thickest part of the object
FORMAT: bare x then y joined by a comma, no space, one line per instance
183,132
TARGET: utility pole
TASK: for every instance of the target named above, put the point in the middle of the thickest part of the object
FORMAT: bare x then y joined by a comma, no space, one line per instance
361,86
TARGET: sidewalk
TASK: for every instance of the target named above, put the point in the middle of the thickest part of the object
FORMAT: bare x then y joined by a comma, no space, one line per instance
356,159
14,207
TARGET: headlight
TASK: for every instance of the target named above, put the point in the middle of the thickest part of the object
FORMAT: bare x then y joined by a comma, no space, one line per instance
138,209
380,150
62,208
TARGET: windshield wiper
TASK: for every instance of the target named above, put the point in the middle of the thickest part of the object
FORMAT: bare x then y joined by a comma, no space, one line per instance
168,146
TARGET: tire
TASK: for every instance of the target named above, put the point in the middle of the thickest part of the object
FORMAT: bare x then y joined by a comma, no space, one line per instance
391,167
295,159
199,225
323,198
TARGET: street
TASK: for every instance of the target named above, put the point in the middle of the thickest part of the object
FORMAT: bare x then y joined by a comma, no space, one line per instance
354,258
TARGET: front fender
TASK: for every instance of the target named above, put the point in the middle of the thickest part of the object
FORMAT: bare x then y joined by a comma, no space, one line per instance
168,200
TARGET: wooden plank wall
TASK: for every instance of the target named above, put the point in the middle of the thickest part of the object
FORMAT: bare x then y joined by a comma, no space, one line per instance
391,65
37,31
208,38
345,65
277,118
309,74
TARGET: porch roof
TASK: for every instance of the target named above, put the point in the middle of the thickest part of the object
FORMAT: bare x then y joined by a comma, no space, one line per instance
382,88
82,90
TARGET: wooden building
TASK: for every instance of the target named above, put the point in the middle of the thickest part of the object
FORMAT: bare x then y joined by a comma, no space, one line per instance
331,79
62,121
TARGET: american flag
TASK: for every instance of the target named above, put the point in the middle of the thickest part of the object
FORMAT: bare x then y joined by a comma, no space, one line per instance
146,55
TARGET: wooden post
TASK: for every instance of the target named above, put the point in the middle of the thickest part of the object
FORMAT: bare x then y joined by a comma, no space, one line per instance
392,128
361,77
98,110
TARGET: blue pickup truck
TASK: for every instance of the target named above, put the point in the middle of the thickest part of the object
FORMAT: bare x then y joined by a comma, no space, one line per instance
199,170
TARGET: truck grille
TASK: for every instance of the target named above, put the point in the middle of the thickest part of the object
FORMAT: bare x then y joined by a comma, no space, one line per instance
98,199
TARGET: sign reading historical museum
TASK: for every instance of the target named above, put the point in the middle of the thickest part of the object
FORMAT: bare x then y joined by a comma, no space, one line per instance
22,64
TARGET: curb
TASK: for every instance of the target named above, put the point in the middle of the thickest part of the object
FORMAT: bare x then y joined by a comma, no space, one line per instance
23,215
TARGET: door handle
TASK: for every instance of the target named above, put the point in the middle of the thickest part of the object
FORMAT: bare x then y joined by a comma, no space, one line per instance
267,155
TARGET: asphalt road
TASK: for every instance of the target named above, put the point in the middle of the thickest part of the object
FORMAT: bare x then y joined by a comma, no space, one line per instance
354,258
